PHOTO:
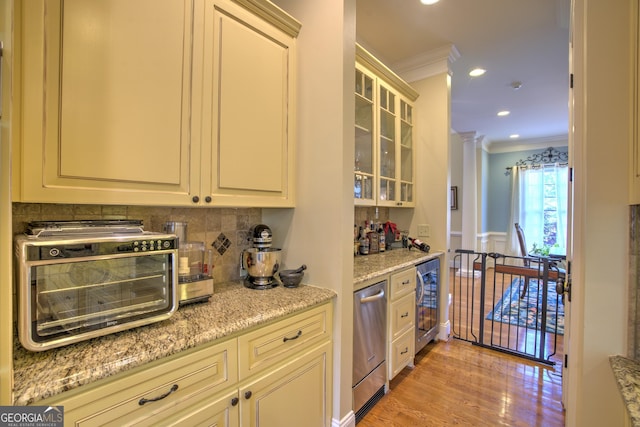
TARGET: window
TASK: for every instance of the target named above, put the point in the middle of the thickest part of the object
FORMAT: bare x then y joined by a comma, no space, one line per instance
543,205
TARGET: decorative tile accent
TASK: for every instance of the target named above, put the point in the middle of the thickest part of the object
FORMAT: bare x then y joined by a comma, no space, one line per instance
221,244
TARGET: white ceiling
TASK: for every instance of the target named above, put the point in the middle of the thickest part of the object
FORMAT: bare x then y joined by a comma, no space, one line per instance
514,40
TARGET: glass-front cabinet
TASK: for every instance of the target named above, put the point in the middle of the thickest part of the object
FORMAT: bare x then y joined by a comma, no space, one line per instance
363,187
384,147
388,177
406,153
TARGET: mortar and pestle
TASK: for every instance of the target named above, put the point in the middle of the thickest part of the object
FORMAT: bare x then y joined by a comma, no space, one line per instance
291,278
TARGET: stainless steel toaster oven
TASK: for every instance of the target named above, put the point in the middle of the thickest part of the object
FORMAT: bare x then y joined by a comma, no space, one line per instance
79,280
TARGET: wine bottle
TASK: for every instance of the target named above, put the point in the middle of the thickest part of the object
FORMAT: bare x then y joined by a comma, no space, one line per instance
419,244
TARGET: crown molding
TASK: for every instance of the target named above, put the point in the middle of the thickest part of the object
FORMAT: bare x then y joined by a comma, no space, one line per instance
273,14
428,64
364,57
524,145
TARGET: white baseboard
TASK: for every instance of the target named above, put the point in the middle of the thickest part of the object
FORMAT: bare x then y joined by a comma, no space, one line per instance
444,331
349,420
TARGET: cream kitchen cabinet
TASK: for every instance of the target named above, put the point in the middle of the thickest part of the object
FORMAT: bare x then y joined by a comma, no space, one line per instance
274,375
298,394
634,143
156,102
384,170
184,385
401,325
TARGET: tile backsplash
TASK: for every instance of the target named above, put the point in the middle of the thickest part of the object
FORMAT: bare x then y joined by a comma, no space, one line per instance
213,226
363,213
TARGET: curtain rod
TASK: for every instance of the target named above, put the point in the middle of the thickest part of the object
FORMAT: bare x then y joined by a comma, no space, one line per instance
549,156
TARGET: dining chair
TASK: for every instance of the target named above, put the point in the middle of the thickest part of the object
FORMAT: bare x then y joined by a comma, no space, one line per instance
525,256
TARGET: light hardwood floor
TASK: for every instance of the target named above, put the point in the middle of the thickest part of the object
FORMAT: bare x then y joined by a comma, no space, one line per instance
457,383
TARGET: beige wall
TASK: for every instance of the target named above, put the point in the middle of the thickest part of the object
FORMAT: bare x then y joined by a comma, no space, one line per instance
319,231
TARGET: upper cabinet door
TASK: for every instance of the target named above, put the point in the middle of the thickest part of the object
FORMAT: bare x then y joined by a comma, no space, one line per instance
406,157
387,144
249,74
364,167
106,102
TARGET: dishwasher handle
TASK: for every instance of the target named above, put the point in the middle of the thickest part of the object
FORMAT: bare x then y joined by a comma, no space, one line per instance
375,297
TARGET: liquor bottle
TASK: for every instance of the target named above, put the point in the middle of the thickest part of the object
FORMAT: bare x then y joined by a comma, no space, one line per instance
382,240
419,244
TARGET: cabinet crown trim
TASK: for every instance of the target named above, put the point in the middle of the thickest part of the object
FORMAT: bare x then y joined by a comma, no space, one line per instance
364,57
272,14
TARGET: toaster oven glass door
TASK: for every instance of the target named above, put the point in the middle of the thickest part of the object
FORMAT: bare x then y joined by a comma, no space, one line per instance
73,298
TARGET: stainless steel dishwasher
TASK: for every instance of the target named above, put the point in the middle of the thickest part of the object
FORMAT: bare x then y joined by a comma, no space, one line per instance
369,347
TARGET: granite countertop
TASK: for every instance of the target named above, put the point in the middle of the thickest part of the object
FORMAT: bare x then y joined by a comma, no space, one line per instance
627,374
367,267
232,309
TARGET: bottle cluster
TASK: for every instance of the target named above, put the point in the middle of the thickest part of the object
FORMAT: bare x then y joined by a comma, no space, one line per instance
369,239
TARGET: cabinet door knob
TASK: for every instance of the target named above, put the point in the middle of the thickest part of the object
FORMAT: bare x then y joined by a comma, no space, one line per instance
247,394
207,199
195,199
234,401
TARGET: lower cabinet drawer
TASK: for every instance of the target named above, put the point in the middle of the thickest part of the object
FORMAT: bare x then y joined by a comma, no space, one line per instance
152,394
286,338
402,283
402,315
401,353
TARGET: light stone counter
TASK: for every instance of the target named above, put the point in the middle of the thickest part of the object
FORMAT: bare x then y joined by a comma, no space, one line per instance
368,267
627,374
232,309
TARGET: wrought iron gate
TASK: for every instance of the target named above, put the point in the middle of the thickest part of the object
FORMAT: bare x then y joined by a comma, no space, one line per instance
508,303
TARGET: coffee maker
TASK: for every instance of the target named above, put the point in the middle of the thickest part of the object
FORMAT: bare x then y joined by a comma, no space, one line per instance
195,266
261,262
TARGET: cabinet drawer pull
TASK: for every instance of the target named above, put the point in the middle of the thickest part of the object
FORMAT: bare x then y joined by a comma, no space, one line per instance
234,401
406,350
405,315
285,339
406,282
247,394
155,399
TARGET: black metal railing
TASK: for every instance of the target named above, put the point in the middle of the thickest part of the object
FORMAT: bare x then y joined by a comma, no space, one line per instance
508,303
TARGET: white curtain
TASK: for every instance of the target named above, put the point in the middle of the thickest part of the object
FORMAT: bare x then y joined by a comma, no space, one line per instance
512,247
539,200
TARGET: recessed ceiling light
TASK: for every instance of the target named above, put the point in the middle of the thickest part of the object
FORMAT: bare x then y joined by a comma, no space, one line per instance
477,72
503,113
514,136
429,1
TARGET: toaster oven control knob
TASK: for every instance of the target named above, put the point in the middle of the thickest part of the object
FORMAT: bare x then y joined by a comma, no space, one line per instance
54,252
166,244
